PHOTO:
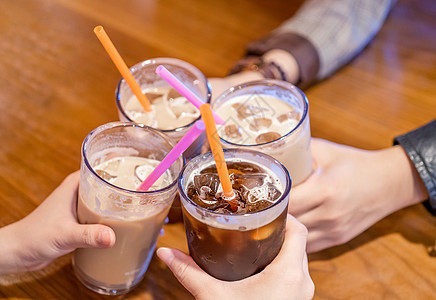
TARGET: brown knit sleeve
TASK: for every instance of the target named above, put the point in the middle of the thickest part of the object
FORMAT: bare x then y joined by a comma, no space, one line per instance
299,47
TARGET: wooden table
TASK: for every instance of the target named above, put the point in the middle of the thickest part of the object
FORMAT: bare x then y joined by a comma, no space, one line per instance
57,84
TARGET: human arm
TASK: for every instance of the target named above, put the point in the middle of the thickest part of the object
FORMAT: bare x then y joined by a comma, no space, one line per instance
287,277
351,189
50,231
320,38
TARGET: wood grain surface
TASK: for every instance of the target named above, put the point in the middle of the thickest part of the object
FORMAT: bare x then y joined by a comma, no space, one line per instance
57,84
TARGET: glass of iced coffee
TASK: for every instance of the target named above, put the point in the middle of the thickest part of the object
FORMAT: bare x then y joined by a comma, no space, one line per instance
228,242
116,158
171,113
269,116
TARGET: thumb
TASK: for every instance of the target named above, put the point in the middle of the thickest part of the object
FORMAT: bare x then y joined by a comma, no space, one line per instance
187,272
293,251
89,236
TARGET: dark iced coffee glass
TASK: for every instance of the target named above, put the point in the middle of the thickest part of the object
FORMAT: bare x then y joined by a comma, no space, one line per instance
233,243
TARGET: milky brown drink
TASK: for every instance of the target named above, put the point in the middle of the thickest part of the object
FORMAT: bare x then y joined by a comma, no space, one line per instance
229,242
116,159
136,226
268,116
171,113
170,110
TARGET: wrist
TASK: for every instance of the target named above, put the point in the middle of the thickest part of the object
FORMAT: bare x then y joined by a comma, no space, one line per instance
274,64
285,63
405,183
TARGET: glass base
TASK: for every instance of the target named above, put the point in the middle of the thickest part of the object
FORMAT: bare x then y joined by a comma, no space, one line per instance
102,288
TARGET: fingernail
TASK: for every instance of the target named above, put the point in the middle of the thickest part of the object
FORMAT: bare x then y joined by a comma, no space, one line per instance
105,238
165,254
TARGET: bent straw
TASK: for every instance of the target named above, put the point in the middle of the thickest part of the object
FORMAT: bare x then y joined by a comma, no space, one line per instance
121,66
171,157
184,90
217,152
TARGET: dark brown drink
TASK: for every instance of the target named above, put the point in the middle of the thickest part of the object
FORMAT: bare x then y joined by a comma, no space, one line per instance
229,242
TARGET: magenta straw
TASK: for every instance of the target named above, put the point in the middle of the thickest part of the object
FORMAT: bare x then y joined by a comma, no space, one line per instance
184,90
171,157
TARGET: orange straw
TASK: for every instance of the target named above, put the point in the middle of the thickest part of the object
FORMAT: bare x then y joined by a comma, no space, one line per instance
217,152
121,66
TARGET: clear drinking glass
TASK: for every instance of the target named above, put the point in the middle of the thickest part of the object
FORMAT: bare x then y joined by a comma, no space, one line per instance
234,246
256,110
145,74
136,217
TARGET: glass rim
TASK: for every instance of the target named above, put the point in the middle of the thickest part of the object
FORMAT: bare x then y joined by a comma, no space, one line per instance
267,82
283,196
164,60
116,124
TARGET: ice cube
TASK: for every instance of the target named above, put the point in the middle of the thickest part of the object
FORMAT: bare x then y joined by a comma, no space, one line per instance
290,115
258,124
267,137
172,94
209,180
204,192
105,175
180,106
273,192
236,106
247,110
112,162
142,171
232,131
267,192
153,97
249,181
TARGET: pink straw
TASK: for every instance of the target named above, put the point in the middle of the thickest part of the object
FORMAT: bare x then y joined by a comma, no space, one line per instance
184,90
171,157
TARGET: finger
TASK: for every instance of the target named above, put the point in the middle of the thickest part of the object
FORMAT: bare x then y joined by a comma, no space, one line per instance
318,240
187,272
302,198
70,184
323,150
306,265
312,219
88,236
293,251
72,179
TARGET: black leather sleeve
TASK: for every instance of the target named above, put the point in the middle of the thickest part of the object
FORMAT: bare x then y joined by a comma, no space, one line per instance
420,145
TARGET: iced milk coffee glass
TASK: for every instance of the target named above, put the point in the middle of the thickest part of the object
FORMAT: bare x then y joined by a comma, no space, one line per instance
115,159
269,116
233,246
173,120
177,115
